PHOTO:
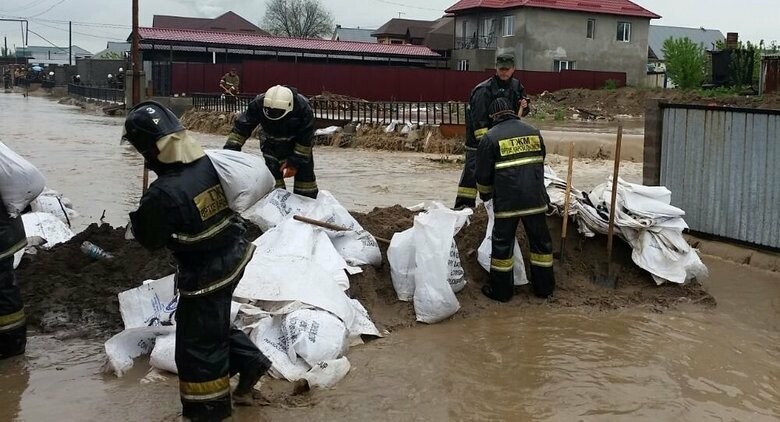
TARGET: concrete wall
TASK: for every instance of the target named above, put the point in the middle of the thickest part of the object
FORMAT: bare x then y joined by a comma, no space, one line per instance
94,72
542,36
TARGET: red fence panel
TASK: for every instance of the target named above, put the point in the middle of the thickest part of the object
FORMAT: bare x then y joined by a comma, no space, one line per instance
373,82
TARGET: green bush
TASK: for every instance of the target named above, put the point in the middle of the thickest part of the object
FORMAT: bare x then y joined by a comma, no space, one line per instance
610,84
560,114
685,62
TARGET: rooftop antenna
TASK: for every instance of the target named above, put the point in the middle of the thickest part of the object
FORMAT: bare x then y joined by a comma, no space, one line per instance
400,13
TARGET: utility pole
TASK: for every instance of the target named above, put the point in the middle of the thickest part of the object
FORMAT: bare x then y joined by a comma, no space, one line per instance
70,43
137,79
5,46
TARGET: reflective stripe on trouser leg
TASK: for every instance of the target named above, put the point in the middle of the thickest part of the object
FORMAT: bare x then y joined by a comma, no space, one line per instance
305,181
13,328
540,244
501,261
467,187
202,355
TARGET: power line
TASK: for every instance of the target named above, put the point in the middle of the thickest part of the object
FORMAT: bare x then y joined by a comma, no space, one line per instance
33,3
41,37
81,33
47,10
409,6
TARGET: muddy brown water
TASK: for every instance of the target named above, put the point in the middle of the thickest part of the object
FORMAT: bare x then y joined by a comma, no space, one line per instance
508,363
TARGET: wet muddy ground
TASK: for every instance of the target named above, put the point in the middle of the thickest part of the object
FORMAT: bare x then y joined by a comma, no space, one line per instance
639,353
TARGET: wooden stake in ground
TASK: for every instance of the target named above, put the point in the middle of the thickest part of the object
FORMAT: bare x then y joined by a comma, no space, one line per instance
566,202
330,226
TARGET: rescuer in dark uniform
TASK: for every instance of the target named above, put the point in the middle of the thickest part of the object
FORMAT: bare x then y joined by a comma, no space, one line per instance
13,329
510,171
186,210
501,85
286,140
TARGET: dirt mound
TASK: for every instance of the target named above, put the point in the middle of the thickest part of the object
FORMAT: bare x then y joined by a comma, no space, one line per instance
215,122
63,289
632,101
574,287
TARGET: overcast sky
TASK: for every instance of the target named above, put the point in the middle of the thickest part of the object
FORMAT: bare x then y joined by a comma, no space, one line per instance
96,21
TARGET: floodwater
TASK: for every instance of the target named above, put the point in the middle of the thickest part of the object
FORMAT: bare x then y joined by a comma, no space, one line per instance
539,363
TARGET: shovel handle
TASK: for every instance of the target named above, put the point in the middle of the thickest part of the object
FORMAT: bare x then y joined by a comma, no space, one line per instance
568,192
612,204
330,226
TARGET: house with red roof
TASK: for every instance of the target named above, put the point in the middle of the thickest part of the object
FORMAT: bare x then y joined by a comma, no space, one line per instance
553,35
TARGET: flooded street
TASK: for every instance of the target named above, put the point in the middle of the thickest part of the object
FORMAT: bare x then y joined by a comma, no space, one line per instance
537,363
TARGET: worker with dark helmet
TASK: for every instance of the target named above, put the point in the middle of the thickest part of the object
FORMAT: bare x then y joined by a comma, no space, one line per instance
186,210
286,140
510,171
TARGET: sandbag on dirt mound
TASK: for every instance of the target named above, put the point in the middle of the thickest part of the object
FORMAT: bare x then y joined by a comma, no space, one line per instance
584,259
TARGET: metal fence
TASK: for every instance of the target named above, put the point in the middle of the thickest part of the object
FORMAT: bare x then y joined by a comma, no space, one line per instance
105,94
721,165
421,113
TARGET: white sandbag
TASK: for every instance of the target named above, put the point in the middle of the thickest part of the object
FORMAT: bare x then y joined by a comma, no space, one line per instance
48,227
53,204
164,353
293,278
327,373
151,304
122,348
456,277
400,255
244,177
20,181
293,238
315,335
357,246
486,247
268,337
276,206
434,299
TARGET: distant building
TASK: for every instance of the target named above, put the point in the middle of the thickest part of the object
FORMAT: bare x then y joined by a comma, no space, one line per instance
46,55
403,31
226,22
437,35
353,34
553,35
706,38
113,51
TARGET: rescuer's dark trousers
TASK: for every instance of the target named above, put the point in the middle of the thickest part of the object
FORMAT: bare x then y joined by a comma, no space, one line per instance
208,353
467,187
501,257
13,327
305,182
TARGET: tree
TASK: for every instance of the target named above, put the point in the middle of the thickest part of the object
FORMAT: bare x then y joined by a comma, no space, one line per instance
685,62
298,18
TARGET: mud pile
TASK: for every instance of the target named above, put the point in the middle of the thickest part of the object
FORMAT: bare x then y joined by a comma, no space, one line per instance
215,122
64,290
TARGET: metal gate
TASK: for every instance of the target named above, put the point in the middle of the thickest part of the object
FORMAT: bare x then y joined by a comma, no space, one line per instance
723,168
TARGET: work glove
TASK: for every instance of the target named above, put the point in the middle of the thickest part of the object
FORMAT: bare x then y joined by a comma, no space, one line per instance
485,196
288,170
234,142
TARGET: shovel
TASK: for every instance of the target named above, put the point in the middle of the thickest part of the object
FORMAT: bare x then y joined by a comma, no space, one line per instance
610,278
330,226
566,201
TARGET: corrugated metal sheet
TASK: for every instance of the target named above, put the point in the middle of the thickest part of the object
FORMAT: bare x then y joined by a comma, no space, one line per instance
722,166
223,39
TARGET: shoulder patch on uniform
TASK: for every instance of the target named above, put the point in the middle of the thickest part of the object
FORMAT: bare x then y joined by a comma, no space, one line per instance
519,145
210,202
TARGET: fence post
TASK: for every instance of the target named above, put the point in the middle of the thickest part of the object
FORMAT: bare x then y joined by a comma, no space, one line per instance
654,117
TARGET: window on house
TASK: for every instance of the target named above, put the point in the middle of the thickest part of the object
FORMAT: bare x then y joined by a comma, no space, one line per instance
559,65
509,26
396,42
463,65
464,28
591,31
488,27
624,31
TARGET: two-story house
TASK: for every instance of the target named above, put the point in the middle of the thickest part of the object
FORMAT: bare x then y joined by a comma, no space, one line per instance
553,35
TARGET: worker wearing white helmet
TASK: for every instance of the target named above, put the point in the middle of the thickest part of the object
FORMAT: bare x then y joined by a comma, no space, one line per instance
286,139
